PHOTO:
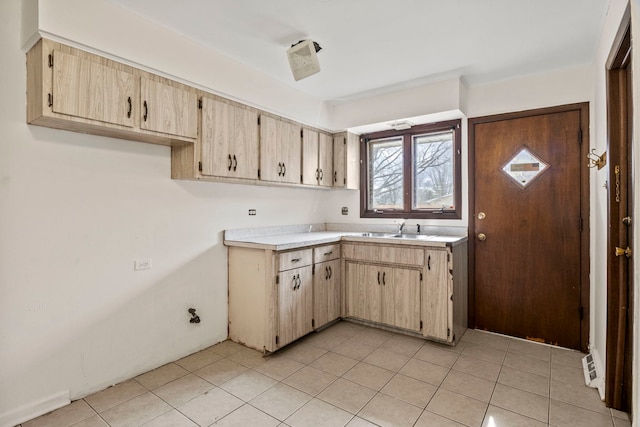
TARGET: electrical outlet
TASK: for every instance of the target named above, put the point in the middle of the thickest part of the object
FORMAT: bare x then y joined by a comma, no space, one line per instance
252,212
345,211
142,264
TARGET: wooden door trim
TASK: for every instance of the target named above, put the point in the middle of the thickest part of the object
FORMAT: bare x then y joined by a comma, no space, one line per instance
583,108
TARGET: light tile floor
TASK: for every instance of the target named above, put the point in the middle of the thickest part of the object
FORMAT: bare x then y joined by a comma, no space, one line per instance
356,376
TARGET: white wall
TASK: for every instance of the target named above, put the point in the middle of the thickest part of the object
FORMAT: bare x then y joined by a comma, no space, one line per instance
76,210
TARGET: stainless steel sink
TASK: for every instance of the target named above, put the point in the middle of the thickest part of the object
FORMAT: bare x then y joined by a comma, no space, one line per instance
412,236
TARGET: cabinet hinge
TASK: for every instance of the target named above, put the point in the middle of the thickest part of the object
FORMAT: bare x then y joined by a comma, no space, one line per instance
579,136
51,60
448,332
421,276
277,279
421,325
581,312
313,269
448,257
301,133
258,120
258,173
277,340
200,166
345,181
313,323
200,104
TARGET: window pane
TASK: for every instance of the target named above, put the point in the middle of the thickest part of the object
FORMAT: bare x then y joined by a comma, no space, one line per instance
433,171
385,174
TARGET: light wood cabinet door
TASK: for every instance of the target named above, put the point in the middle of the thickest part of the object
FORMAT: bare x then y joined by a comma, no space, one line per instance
364,290
295,304
229,143
325,160
280,150
168,109
310,171
437,296
401,298
90,90
326,292
346,161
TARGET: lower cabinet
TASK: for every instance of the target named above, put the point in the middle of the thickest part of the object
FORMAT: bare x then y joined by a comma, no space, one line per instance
326,292
384,294
295,304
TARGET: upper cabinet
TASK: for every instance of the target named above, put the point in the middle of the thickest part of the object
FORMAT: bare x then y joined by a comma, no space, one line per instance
85,88
346,167
280,150
229,144
317,158
71,89
211,138
168,108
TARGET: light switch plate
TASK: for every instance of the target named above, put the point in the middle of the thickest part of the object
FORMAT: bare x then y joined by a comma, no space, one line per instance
345,211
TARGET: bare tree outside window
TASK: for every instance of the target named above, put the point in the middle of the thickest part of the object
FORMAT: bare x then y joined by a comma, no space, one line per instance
386,174
433,171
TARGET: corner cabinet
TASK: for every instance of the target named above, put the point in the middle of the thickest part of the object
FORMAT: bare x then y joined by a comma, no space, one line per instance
270,296
71,89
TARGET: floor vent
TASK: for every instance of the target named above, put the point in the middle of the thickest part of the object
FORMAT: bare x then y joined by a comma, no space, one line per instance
593,372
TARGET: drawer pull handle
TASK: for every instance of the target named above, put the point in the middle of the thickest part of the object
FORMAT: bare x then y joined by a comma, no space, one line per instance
328,253
296,260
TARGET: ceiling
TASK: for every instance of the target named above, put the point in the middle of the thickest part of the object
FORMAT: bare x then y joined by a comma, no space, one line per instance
377,46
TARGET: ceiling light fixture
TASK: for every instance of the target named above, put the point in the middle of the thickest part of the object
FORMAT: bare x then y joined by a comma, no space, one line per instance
303,59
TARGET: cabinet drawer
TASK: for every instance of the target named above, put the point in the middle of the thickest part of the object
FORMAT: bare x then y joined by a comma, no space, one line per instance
326,253
294,259
384,254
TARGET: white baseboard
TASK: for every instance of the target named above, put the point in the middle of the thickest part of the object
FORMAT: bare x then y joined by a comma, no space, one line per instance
35,409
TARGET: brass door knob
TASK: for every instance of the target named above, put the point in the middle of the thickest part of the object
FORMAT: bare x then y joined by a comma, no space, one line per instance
620,252
482,237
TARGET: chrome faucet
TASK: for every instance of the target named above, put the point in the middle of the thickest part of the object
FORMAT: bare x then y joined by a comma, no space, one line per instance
400,227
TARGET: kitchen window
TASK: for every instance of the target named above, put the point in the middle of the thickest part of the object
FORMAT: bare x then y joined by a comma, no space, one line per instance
413,173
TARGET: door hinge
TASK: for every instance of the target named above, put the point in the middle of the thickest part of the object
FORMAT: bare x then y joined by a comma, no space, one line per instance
581,312
200,166
200,104
580,224
580,136
421,325
277,279
448,332
277,340
51,60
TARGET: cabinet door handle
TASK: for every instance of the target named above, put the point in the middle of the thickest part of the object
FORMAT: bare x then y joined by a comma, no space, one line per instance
321,174
284,169
384,274
298,281
293,279
317,174
235,163
279,169
429,262
229,163
130,107
330,272
326,273
146,111
335,176
378,277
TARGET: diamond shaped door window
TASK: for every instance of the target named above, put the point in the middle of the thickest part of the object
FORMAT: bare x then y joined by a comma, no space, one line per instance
524,167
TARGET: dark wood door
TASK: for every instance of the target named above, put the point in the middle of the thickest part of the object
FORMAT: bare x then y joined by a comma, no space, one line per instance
620,293
528,224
